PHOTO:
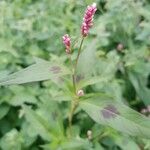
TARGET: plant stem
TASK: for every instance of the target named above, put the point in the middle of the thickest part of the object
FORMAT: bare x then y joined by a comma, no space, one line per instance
73,76
74,103
76,63
74,83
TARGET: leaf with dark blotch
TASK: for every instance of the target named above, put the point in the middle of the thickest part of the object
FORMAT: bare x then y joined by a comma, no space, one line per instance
42,70
55,69
79,78
109,112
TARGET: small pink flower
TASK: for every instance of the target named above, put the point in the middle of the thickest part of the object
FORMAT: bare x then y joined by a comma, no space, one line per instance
67,43
88,19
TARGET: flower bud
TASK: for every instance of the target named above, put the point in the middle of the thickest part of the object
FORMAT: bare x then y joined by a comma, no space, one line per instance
89,134
120,47
80,93
144,111
67,43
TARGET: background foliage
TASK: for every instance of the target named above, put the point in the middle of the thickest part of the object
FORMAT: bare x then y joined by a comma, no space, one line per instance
117,53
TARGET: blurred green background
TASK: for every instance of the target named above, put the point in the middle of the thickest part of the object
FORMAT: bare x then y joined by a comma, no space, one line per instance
34,28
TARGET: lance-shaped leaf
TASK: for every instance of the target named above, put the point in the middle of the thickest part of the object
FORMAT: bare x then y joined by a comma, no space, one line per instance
41,70
139,83
107,111
89,53
90,81
40,125
71,144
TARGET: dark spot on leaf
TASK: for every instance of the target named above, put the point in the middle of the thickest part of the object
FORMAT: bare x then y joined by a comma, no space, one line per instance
110,111
54,115
55,69
79,78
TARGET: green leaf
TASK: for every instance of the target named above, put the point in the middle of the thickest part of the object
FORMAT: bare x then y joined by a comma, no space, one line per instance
11,141
39,125
3,74
19,99
41,70
107,66
28,134
104,70
3,110
125,142
75,144
90,81
50,112
140,86
87,58
71,144
107,111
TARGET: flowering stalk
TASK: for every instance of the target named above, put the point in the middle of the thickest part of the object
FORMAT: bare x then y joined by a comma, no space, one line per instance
79,51
67,43
88,19
75,102
86,25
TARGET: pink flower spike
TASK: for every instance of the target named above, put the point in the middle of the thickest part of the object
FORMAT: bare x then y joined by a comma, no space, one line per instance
67,43
88,19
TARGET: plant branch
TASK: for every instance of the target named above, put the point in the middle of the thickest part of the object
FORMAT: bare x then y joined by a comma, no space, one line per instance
74,103
73,77
76,63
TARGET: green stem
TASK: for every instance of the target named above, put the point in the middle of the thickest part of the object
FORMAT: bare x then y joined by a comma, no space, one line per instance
74,103
73,77
74,83
76,63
